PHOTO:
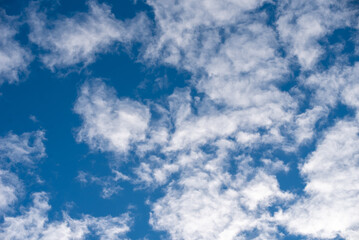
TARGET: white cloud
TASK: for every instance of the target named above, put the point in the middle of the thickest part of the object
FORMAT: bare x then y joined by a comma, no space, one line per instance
302,23
155,172
178,23
17,149
235,62
24,148
33,224
330,206
77,40
198,129
13,57
209,203
110,184
10,187
333,86
237,68
305,123
350,93
262,190
109,123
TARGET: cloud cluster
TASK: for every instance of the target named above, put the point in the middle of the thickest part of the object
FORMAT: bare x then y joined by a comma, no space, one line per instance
302,24
249,192
34,224
184,26
330,206
14,150
256,89
209,203
239,64
328,209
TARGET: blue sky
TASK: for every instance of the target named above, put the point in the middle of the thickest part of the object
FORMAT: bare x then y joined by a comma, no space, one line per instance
179,120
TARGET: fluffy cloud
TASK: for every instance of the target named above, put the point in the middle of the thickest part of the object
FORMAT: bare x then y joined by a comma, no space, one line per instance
302,24
238,106
14,58
33,224
235,63
209,203
329,208
178,23
336,85
79,39
331,174
109,123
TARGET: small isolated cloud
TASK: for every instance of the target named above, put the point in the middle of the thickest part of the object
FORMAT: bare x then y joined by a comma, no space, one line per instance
24,148
33,223
109,123
77,40
33,118
14,58
110,184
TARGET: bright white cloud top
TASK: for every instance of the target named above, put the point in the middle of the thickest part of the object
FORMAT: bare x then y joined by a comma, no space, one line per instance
261,141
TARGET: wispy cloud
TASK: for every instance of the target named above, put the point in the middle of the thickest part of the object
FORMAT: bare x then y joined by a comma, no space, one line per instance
302,24
79,39
110,184
25,148
33,223
10,188
16,150
14,58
